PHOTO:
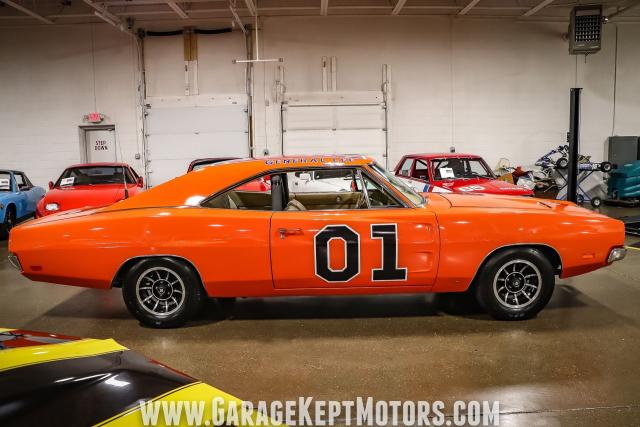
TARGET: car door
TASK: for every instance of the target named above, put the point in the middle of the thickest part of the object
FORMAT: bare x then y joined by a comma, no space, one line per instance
371,246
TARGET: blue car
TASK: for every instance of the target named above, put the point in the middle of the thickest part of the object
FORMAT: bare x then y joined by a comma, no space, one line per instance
18,199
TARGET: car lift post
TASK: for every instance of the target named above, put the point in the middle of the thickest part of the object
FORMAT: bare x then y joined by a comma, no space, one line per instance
574,143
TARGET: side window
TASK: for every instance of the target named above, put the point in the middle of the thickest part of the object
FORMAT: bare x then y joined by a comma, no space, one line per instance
323,189
421,170
5,181
405,168
254,195
22,182
378,196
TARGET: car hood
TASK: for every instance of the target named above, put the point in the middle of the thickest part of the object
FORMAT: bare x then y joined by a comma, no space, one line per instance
85,195
482,185
54,376
509,202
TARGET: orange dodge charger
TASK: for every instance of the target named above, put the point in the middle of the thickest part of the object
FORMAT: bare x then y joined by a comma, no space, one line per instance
328,225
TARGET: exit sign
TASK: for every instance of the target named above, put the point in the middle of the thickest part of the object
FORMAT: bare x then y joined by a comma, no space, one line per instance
94,117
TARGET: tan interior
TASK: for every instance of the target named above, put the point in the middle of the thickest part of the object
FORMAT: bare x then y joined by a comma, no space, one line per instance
254,200
319,201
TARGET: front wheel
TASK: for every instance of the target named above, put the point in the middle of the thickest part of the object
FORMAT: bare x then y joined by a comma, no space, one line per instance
515,284
162,292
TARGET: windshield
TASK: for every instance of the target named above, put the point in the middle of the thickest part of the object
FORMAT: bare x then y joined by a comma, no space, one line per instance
94,175
407,191
460,168
5,181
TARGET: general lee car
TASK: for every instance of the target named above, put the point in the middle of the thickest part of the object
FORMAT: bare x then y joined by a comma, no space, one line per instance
18,199
203,235
90,185
453,172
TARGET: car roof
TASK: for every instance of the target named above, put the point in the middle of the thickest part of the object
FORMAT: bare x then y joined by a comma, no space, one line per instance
182,190
11,171
209,160
101,164
214,159
428,156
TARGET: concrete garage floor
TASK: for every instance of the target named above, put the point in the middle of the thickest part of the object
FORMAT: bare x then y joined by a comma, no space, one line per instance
577,363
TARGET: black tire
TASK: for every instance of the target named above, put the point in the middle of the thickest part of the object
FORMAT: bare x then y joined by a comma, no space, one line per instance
562,163
8,223
596,202
522,296
606,167
166,279
580,199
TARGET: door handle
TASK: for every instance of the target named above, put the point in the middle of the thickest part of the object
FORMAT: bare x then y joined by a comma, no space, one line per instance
284,232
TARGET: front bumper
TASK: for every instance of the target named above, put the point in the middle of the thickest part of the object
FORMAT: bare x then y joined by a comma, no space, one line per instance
616,254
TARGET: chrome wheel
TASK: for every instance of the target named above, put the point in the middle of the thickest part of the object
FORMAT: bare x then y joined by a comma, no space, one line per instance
160,291
517,284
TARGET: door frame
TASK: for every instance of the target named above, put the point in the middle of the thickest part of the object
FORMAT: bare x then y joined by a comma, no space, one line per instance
83,132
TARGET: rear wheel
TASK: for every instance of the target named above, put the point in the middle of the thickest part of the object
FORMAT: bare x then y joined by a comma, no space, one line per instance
515,284
8,223
162,292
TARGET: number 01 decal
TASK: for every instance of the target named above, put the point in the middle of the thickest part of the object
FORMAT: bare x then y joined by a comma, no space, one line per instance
389,270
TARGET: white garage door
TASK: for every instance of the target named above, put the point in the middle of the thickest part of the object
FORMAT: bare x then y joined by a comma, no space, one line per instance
354,128
178,134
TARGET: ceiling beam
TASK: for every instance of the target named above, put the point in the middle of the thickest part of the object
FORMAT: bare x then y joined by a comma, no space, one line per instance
324,7
103,11
398,7
468,7
108,20
27,11
538,7
177,9
253,10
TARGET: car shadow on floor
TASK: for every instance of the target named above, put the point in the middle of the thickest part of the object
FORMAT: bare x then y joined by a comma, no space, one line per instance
398,315
376,306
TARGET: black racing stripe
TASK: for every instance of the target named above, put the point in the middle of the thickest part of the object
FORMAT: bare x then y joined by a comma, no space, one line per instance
82,391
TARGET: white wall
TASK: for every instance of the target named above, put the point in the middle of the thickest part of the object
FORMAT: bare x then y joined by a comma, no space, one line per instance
49,79
497,88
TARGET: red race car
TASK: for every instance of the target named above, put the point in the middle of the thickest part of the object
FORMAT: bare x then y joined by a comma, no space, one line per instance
453,173
90,185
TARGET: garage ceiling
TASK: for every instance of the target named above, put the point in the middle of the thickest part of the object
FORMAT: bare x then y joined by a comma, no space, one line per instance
51,12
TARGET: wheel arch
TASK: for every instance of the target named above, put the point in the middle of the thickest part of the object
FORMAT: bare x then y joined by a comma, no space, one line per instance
117,280
548,251
11,206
